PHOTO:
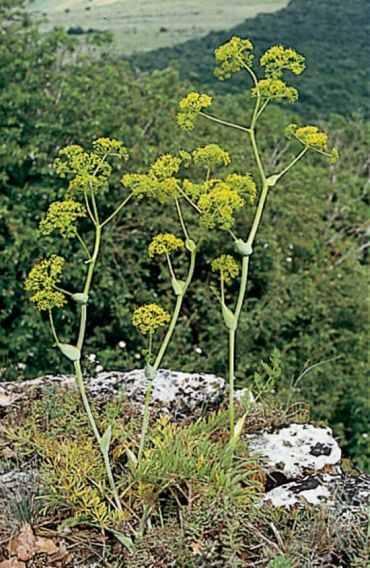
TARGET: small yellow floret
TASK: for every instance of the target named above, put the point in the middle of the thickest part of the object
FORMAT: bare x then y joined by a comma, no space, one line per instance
165,244
275,89
211,156
219,205
227,266
233,56
149,318
41,282
190,107
62,216
278,59
166,166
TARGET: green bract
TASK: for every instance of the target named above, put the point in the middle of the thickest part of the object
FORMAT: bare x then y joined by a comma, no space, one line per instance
62,216
233,56
41,283
149,318
278,59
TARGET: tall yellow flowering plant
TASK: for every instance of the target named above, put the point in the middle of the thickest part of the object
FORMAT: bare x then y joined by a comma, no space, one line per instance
89,174
218,202
161,182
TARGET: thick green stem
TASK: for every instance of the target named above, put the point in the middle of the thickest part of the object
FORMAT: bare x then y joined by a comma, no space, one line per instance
153,369
232,333
94,428
89,277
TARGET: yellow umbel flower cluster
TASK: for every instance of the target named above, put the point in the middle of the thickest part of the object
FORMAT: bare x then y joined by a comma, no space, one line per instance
278,59
89,171
314,138
227,266
62,216
41,283
190,107
218,206
165,167
233,56
159,182
219,200
211,156
165,244
275,89
149,318
110,147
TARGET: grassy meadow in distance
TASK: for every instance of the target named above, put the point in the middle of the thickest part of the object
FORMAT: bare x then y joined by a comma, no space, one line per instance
143,25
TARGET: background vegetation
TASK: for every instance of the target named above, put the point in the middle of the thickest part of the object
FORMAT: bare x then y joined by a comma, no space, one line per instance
307,301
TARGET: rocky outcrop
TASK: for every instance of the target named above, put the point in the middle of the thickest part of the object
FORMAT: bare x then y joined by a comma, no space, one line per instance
177,393
301,461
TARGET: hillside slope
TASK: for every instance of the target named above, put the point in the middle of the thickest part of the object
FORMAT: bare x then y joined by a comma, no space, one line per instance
332,34
143,25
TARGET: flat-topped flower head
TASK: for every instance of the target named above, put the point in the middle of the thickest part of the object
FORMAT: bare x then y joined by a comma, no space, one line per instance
149,318
159,182
275,89
165,244
233,56
165,167
278,59
87,171
62,216
314,138
227,266
110,147
41,282
244,185
211,156
190,107
219,205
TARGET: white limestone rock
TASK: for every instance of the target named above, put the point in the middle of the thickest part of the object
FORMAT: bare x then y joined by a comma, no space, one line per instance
177,393
296,450
343,493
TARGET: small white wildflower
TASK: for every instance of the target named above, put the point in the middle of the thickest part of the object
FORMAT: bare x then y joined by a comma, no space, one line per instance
198,350
122,344
92,357
99,368
21,366
137,356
